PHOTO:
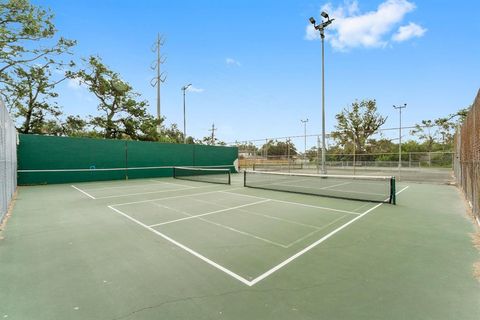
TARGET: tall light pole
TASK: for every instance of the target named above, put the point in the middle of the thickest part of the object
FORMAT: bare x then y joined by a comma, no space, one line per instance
321,28
399,108
304,139
184,89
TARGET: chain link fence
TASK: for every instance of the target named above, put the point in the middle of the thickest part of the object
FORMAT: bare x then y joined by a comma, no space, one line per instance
467,157
8,160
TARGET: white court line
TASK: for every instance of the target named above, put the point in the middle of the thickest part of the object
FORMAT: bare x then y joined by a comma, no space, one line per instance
313,188
222,226
263,215
265,274
178,244
140,193
294,203
174,197
322,188
172,183
208,213
313,245
336,185
362,206
313,232
85,193
140,185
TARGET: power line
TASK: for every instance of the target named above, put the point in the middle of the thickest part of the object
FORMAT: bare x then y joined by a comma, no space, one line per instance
327,135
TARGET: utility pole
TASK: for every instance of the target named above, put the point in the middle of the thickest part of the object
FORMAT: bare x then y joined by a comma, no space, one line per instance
321,28
213,133
399,108
304,139
160,77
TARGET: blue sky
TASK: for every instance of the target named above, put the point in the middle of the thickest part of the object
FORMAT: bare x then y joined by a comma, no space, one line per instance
256,66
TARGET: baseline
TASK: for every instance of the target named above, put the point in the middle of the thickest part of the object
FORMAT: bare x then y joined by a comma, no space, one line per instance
84,192
148,192
174,197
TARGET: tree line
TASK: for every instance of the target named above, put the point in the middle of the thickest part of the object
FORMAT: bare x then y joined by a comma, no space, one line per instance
34,60
355,128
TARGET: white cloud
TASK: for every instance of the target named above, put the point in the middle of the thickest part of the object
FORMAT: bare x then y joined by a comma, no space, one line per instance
196,90
74,83
232,62
409,31
352,29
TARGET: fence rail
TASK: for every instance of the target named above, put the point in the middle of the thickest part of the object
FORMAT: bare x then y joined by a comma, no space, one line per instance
423,167
467,157
8,160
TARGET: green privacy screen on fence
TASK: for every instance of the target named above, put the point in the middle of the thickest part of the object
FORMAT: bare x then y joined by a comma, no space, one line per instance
47,159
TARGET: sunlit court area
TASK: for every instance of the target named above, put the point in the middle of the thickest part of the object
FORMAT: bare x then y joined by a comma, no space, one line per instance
117,208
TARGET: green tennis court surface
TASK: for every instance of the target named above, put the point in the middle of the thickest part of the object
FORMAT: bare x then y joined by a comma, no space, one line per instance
178,249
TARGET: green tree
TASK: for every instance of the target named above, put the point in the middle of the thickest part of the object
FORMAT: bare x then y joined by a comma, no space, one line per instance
31,95
247,148
123,115
22,27
312,154
279,148
208,140
26,65
382,146
75,126
438,133
356,124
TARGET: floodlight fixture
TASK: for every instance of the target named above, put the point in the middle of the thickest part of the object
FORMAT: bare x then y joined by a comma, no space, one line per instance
312,20
325,15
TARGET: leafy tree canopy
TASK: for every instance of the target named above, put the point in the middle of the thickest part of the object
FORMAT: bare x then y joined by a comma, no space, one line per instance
357,123
279,148
22,27
122,113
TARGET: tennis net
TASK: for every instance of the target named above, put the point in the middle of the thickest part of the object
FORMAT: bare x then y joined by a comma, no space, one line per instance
363,188
217,175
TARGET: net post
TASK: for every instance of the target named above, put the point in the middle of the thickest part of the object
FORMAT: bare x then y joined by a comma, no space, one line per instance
173,172
245,178
393,192
229,177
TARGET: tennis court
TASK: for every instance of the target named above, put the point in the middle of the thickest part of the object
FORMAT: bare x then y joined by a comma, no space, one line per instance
185,248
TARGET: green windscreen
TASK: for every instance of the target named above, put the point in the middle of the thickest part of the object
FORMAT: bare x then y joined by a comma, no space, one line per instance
47,159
